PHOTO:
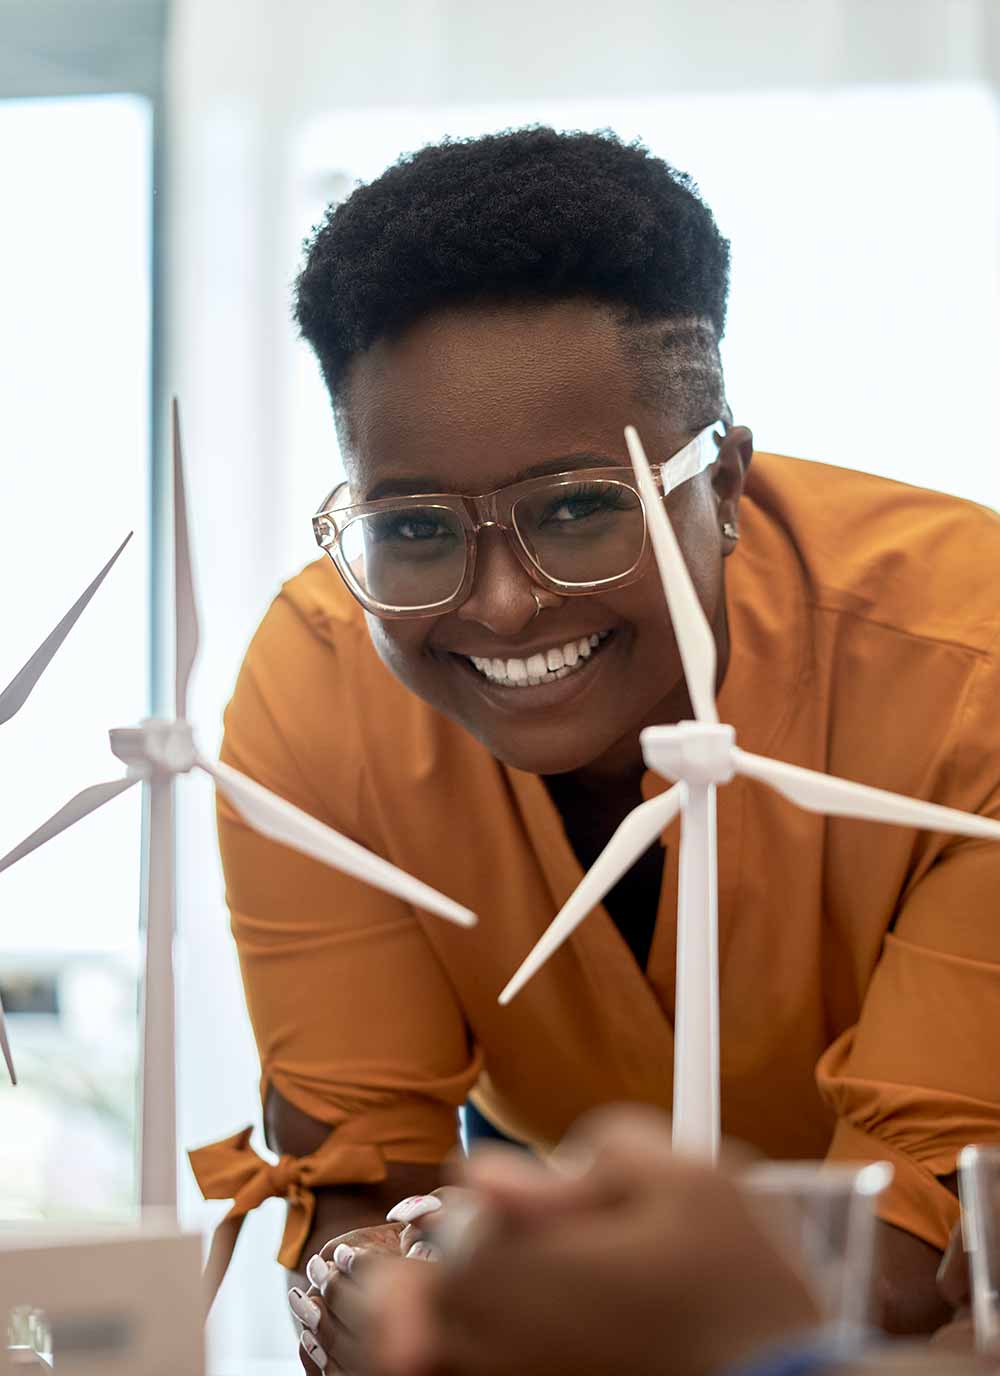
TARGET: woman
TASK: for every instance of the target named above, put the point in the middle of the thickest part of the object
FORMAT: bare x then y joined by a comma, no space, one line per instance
464,692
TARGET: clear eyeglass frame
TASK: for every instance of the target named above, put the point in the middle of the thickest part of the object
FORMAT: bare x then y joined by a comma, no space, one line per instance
475,513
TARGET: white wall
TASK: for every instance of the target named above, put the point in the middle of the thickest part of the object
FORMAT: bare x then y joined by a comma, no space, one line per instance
249,84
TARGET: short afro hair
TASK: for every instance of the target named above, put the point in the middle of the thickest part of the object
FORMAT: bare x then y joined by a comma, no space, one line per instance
528,214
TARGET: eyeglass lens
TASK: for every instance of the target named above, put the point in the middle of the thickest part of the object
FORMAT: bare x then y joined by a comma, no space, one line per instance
575,532
581,532
409,557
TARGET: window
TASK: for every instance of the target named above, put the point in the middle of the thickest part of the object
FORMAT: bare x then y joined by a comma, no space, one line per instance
75,280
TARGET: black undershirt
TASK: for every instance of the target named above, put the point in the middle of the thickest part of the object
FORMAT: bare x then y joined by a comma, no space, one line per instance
629,907
632,903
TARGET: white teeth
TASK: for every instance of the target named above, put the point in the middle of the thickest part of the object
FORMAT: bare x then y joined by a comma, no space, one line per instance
539,668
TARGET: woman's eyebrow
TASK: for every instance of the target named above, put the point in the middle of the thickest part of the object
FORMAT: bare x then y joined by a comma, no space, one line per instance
420,483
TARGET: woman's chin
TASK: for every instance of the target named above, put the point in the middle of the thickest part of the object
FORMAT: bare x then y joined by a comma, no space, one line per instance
553,749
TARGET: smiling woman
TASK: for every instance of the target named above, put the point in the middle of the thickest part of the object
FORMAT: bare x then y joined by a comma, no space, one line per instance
464,691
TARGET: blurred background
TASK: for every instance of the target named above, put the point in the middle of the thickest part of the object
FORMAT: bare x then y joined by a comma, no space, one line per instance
160,165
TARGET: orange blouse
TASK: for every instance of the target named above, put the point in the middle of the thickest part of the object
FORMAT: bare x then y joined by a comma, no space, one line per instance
860,964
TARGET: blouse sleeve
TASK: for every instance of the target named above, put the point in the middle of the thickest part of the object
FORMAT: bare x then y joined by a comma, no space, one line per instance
918,1077
355,1020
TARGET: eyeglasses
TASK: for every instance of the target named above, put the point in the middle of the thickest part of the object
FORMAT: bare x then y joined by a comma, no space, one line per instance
574,533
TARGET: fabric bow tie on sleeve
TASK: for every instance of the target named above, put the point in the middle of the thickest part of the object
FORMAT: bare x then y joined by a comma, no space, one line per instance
231,1169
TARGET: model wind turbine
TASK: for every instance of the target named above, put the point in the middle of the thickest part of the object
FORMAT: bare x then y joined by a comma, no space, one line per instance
701,755
20,688
154,753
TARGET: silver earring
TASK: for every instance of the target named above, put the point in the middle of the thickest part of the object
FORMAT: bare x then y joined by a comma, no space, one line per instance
730,531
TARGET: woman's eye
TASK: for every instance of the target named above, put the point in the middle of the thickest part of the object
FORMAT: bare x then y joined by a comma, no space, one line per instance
579,505
419,530
572,511
410,528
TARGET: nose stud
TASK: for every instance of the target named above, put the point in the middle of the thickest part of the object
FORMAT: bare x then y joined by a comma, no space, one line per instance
538,603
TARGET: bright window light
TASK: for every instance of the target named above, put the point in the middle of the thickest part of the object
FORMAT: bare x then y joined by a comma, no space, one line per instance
74,432
75,282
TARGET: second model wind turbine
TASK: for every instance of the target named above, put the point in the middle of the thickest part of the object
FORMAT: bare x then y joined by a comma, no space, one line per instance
155,753
701,755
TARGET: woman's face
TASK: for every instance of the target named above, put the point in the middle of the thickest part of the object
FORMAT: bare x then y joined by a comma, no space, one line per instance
471,399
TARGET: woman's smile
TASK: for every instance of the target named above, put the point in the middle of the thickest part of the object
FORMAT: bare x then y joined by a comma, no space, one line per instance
541,678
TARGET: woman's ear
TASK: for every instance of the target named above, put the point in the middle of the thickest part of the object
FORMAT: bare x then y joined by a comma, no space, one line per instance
728,477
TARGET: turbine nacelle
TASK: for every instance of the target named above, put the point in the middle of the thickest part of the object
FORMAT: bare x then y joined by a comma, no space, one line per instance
693,752
155,748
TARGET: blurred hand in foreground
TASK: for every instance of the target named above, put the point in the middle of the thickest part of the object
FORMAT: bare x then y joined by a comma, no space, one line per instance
623,1258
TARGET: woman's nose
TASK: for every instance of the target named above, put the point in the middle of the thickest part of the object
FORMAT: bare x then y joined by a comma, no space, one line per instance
503,595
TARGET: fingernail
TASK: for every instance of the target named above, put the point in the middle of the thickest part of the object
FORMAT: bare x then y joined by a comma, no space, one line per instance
343,1258
423,1251
305,1310
415,1207
318,1271
313,1350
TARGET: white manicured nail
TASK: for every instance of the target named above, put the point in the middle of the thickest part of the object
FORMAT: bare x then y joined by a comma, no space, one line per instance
343,1258
313,1350
305,1310
318,1271
423,1251
407,1210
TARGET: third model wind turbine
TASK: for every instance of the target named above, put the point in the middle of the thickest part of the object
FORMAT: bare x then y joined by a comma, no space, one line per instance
701,755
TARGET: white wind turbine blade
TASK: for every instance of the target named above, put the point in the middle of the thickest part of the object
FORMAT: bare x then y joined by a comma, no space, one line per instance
634,836
835,797
691,629
5,1047
696,1114
282,821
78,807
185,606
17,692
